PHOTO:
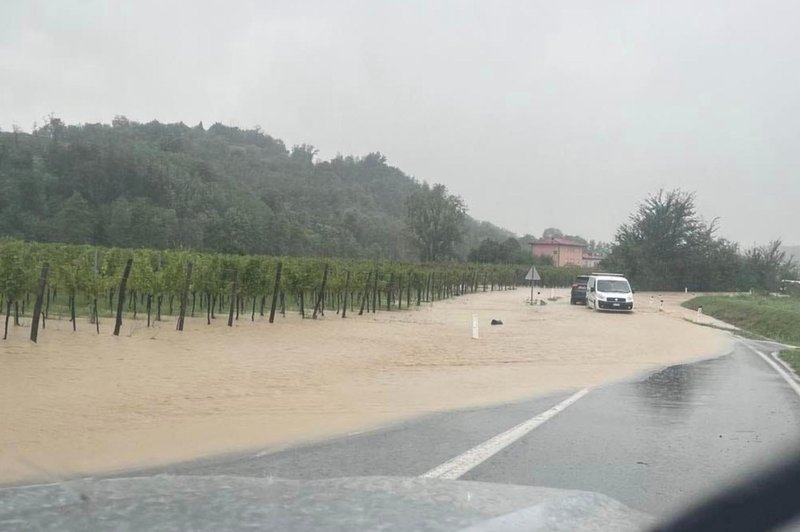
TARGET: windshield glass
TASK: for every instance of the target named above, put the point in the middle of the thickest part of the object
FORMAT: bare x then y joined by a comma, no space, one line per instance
613,285
397,241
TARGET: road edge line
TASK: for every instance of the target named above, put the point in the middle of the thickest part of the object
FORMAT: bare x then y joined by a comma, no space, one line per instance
776,356
461,464
777,367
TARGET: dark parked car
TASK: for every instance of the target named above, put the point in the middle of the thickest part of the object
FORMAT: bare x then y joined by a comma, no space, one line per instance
578,294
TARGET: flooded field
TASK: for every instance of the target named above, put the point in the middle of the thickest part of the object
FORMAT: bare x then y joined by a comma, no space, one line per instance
79,403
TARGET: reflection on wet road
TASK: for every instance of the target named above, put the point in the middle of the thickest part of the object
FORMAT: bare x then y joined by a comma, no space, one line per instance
675,388
661,443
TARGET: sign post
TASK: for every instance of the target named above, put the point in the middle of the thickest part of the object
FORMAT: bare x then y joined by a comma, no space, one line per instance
532,276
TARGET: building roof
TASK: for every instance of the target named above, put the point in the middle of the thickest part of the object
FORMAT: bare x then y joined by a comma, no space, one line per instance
558,242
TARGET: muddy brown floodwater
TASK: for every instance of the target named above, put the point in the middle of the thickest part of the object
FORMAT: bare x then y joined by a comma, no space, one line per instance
79,403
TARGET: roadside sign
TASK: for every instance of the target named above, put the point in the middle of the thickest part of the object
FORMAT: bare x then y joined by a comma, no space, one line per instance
532,275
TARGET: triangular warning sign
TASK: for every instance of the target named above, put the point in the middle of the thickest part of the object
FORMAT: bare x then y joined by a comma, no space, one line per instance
532,275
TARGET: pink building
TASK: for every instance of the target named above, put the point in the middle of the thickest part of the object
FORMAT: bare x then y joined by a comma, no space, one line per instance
563,251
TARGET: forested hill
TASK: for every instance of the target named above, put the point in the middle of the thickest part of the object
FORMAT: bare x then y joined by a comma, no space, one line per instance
222,188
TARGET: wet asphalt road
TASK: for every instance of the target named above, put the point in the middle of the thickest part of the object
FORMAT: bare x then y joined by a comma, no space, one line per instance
658,444
655,444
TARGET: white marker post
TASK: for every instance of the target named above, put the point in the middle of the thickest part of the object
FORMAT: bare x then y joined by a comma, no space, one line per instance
475,332
699,318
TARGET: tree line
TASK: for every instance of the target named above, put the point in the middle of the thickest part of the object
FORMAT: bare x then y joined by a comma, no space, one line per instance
667,245
224,189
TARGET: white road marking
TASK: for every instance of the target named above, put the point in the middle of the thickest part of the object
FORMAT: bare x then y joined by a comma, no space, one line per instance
777,367
456,467
777,358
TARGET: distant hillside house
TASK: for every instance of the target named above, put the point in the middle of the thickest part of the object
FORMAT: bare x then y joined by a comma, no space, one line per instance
564,252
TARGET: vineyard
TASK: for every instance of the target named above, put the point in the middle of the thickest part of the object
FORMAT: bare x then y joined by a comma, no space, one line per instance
43,281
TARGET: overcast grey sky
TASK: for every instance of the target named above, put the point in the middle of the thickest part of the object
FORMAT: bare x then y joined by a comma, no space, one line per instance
538,113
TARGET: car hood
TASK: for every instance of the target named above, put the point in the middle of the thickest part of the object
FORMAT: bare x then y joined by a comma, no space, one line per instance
167,502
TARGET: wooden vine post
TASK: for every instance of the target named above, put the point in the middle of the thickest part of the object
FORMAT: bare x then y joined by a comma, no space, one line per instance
121,298
185,296
321,297
375,292
37,307
346,290
365,295
8,315
72,309
275,292
389,288
234,302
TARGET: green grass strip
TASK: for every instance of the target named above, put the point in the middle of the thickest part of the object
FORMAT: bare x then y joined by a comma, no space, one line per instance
773,317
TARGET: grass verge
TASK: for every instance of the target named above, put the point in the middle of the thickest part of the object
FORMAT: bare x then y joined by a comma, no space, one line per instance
777,318
792,357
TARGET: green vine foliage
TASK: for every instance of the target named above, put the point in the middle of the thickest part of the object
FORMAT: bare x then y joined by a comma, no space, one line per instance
90,273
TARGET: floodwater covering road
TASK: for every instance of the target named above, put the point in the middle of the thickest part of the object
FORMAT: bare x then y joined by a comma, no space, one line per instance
78,403
656,444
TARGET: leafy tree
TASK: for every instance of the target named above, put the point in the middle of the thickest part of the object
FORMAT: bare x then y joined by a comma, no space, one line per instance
75,220
552,232
488,251
666,245
435,220
509,252
120,121
765,266
303,153
577,238
476,232
662,241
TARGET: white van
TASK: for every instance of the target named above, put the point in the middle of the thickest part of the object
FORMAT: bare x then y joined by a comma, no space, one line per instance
609,291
